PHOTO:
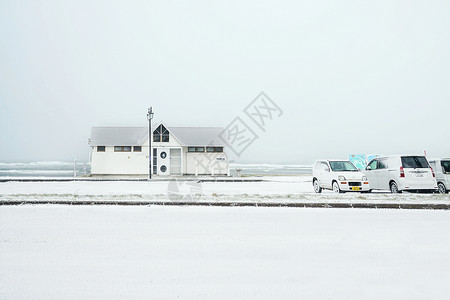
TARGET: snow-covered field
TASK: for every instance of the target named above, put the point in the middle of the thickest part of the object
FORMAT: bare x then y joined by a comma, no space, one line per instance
57,251
157,252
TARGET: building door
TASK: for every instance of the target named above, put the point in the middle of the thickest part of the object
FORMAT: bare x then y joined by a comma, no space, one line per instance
163,161
175,161
155,161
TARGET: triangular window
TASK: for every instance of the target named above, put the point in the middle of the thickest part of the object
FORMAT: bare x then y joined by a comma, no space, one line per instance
161,134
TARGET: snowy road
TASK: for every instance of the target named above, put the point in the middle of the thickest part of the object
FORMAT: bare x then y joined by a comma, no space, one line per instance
273,190
103,252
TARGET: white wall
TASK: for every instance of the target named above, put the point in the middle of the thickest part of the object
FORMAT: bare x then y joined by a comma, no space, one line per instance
119,163
205,163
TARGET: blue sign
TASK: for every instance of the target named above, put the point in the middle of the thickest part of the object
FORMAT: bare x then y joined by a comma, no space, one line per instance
359,160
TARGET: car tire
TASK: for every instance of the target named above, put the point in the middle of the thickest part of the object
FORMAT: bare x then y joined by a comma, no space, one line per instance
317,187
394,188
336,188
441,188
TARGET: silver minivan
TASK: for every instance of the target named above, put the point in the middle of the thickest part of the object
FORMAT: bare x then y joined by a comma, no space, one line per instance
399,173
441,168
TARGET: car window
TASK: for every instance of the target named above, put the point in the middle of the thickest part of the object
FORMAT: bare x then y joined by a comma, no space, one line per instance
415,162
445,166
317,165
382,164
324,167
342,166
373,164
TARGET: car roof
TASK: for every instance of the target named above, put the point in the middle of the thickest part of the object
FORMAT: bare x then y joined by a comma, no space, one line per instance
328,160
438,159
400,155
397,156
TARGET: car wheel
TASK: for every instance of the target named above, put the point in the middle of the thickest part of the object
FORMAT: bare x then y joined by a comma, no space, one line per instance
317,188
441,188
336,188
394,188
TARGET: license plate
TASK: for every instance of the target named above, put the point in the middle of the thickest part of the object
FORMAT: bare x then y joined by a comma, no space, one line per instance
419,175
355,188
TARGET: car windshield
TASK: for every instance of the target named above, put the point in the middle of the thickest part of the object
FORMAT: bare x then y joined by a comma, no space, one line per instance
342,166
415,162
446,165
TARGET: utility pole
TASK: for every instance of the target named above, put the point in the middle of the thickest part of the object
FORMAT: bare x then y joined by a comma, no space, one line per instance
149,118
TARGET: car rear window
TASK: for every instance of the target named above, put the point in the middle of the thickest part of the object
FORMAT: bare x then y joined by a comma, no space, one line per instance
446,165
416,162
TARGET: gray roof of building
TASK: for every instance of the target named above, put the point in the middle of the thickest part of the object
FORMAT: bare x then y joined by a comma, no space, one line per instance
198,136
135,136
117,136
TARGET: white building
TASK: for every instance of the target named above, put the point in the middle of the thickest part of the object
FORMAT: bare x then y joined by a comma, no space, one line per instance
175,151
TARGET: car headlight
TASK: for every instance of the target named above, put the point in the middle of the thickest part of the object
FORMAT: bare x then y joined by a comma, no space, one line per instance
364,178
341,178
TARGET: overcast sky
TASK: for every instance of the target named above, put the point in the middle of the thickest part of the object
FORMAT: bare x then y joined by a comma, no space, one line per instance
350,76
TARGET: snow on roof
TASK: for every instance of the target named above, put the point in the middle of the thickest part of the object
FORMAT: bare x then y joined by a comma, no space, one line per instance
134,136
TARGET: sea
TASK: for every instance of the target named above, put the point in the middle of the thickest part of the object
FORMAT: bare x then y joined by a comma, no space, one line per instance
44,169
79,168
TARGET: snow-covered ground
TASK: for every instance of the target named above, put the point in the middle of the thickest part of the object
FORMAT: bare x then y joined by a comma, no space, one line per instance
278,189
104,252
57,251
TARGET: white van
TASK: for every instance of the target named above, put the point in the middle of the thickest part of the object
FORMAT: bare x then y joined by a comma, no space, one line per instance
339,176
401,173
441,168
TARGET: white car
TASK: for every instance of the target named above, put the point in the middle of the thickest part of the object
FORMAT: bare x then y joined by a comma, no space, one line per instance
441,168
339,176
399,173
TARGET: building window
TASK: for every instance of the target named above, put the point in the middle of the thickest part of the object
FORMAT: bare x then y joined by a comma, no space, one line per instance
161,134
165,137
208,149
214,149
122,148
156,137
100,148
137,149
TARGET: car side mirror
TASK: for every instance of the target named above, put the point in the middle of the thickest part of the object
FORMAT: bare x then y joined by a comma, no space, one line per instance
369,168
327,170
